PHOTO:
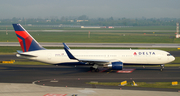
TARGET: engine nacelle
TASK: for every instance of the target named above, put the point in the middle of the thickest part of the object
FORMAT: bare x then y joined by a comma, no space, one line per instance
116,65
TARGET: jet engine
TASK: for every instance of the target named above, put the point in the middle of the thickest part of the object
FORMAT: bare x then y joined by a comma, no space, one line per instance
116,65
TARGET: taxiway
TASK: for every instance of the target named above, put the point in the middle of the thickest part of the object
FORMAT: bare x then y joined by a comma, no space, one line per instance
75,78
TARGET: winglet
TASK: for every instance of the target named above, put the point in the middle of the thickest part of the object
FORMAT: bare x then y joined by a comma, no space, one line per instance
65,46
69,53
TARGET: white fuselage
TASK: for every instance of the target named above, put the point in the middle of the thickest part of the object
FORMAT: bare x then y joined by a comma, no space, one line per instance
125,56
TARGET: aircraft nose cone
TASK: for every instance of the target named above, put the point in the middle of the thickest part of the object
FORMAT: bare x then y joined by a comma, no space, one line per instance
172,58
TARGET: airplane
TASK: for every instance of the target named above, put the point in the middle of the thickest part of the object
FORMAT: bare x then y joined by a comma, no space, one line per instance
107,58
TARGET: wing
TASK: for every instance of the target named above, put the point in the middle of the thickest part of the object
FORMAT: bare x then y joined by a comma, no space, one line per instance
89,61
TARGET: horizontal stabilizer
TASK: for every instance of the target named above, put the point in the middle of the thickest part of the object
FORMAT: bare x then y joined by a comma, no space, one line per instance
19,51
27,55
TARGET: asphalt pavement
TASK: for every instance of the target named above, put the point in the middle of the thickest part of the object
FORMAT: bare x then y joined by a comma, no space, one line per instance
14,79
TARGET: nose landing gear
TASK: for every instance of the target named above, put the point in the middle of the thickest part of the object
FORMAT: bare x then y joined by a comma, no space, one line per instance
162,67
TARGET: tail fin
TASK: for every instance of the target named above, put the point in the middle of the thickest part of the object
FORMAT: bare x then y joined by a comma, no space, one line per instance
27,42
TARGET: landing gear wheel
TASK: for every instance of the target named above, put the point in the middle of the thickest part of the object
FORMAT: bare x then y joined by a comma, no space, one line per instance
94,70
97,70
91,68
161,70
162,67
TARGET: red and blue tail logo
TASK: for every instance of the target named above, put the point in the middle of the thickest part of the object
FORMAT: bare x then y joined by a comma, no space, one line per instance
27,42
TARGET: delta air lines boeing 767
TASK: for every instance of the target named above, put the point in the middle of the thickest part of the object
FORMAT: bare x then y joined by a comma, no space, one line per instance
109,58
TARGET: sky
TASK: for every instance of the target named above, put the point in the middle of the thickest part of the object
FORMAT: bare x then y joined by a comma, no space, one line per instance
90,8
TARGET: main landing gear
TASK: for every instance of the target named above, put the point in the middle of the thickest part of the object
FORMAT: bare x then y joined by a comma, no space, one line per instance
94,68
162,67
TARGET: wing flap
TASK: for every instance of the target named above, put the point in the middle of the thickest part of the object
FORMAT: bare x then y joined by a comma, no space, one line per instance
90,61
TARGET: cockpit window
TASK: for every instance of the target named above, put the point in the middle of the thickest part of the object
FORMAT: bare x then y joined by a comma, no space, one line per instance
168,54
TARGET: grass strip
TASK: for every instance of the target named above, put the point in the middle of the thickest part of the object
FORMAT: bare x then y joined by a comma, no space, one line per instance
97,37
141,84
